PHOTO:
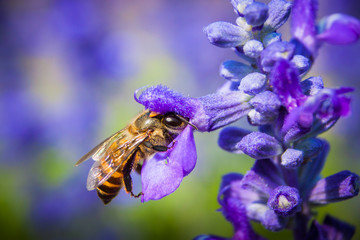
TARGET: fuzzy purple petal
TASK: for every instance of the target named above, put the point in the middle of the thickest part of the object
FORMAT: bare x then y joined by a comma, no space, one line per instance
331,26
217,110
162,175
285,80
303,25
162,99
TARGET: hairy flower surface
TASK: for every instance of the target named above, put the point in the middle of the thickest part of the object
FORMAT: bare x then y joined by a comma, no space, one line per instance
162,174
285,181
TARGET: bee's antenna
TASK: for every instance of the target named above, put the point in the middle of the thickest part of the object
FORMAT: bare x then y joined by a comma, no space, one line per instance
185,120
136,93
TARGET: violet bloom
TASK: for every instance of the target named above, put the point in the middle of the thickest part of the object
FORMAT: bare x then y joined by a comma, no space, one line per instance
163,174
285,182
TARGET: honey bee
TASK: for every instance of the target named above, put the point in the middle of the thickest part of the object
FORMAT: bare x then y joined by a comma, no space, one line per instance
127,149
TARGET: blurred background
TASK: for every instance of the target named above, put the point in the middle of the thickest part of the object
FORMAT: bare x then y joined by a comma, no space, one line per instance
68,70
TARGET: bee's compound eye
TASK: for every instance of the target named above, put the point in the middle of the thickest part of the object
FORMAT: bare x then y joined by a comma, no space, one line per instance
171,120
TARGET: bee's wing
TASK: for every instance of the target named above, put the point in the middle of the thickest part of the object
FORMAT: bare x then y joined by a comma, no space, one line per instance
107,166
97,152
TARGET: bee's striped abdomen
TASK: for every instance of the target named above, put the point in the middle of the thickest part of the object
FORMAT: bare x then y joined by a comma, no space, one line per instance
109,189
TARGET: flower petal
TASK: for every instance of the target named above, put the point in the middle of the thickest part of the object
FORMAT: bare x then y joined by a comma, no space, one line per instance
285,80
303,26
263,177
162,99
274,52
217,110
162,175
331,26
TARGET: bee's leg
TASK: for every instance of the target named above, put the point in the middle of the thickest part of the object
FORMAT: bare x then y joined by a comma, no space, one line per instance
129,186
127,177
157,148
138,168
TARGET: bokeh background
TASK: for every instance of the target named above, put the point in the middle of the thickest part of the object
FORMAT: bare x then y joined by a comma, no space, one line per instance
68,70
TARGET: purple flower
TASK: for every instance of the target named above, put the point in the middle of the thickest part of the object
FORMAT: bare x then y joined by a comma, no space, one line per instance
285,181
163,174
310,36
253,191
317,114
285,80
234,211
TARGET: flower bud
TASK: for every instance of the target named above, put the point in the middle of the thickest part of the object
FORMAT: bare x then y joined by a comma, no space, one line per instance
253,48
259,145
256,13
266,102
226,35
292,158
253,83
301,63
335,188
279,11
312,85
271,38
234,70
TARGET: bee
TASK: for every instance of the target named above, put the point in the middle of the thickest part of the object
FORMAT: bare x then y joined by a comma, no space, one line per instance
118,155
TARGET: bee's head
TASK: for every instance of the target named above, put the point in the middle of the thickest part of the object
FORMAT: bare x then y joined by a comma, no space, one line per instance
171,121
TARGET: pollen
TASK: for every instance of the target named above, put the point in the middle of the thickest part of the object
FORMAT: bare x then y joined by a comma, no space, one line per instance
283,202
